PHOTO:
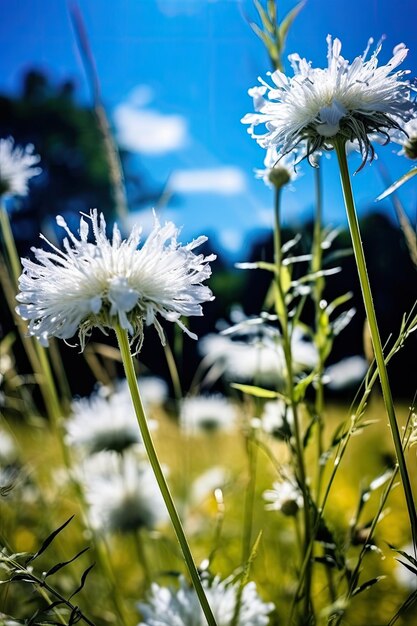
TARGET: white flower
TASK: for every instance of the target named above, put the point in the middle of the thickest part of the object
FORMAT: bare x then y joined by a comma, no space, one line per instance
278,170
285,496
16,167
317,105
277,418
254,353
122,493
153,390
207,414
240,361
112,281
207,483
180,607
407,139
103,422
346,373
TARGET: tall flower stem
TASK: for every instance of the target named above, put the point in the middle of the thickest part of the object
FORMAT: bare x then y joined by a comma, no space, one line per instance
340,147
127,360
286,338
316,266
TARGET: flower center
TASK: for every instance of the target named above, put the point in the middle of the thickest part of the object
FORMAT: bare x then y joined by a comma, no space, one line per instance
330,117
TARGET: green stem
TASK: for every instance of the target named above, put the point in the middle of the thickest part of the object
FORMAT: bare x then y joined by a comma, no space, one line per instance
127,360
340,148
9,244
316,266
282,314
173,372
143,559
252,455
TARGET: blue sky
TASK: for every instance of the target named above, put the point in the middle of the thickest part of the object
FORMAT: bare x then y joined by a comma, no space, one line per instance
175,75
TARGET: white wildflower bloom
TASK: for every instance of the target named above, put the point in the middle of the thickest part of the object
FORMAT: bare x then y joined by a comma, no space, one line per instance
260,357
304,352
407,138
180,607
104,421
285,496
207,483
207,414
112,281
277,418
16,167
346,373
122,493
349,100
279,170
153,390
258,360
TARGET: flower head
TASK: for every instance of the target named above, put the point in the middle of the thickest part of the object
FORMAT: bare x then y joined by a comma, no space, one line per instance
122,493
285,496
407,138
103,422
277,419
207,414
180,607
16,167
343,100
112,281
279,171
252,351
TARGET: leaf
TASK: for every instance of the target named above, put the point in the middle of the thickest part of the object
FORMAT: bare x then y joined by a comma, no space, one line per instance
268,43
59,566
369,583
258,392
406,605
49,540
83,579
266,22
397,184
287,22
411,569
301,386
334,304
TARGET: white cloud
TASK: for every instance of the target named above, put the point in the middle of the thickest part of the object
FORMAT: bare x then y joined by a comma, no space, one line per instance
148,131
231,239
214,180
145,218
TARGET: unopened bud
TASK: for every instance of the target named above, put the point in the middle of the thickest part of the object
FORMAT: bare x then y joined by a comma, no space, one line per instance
279,176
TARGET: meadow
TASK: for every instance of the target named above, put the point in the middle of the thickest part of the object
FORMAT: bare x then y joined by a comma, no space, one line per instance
260,481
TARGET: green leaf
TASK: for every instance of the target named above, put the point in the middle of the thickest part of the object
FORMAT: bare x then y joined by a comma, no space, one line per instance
287,22
59,566
272,11
49,540
338,301
264,17
83,579
369,583
397,184
266,40
301,387
258,392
